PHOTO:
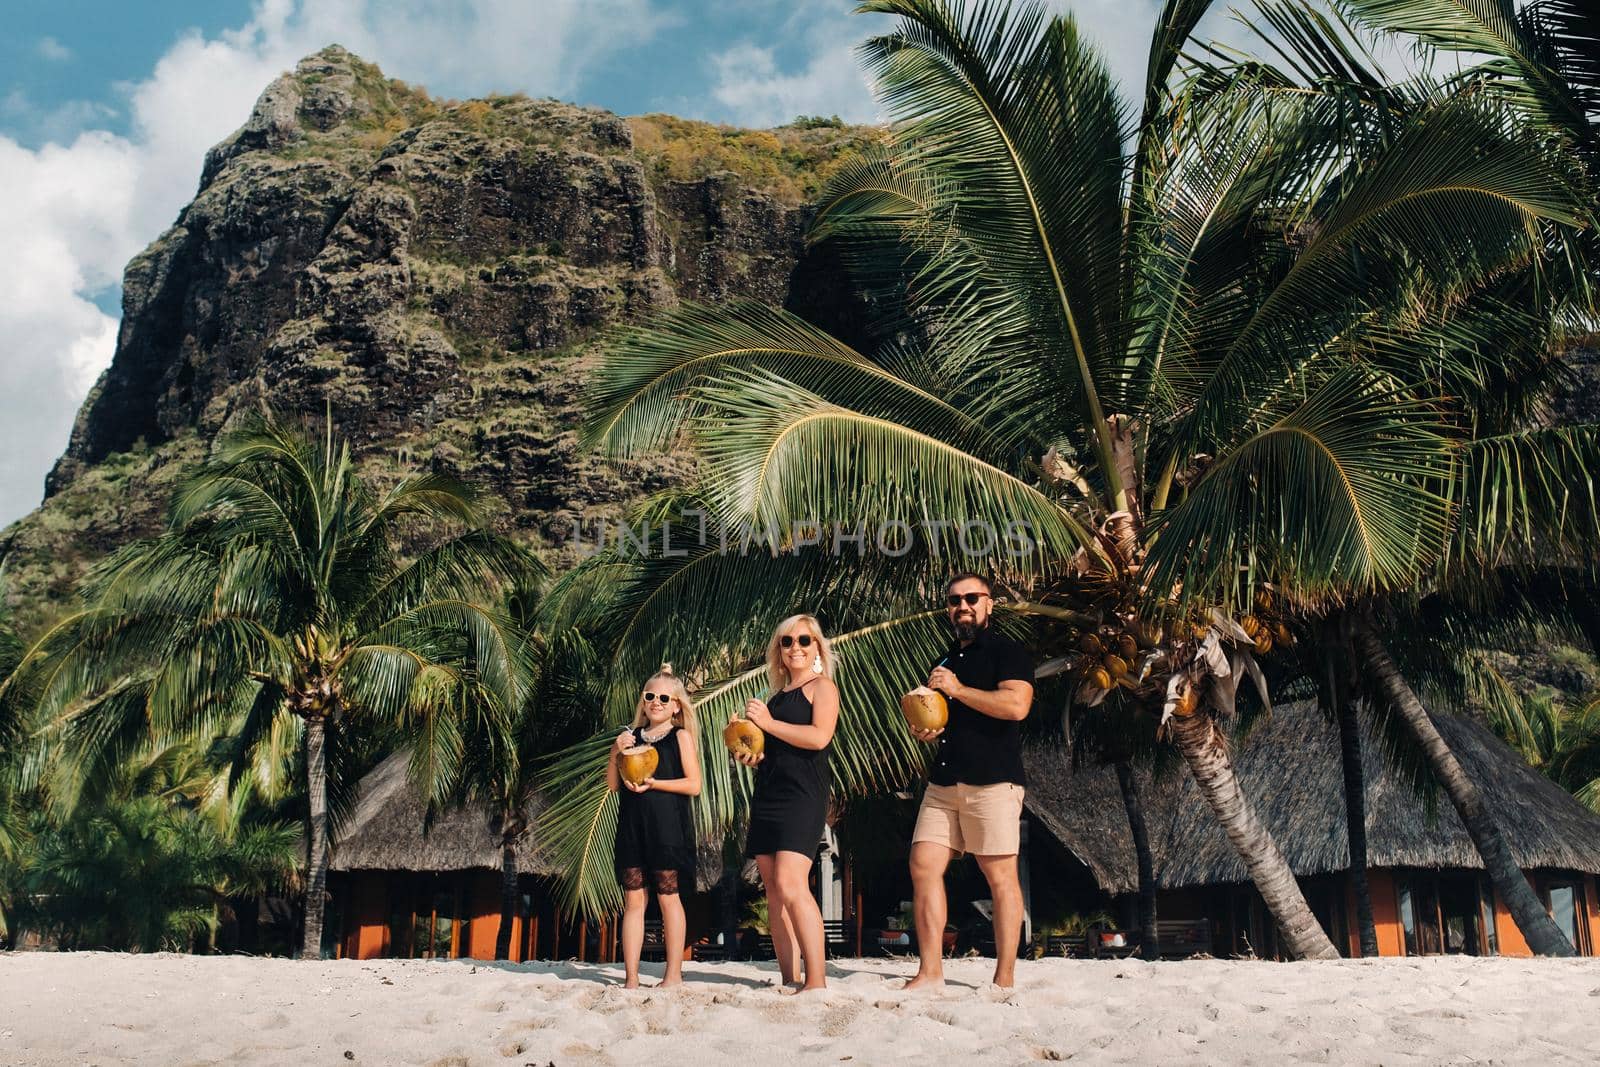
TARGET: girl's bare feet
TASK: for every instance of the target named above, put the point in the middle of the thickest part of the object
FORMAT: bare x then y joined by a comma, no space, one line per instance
925,981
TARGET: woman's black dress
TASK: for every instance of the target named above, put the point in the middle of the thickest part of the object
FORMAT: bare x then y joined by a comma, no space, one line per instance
655,831
790,805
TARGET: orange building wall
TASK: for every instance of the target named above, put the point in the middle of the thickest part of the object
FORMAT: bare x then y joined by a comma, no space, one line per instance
1385,914
1506,930
368,921
483,905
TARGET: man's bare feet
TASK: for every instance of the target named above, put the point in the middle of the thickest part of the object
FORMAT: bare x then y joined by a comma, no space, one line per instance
925,981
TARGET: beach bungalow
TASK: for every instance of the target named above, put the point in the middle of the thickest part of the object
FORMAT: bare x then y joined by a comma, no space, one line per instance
1429,892
401,887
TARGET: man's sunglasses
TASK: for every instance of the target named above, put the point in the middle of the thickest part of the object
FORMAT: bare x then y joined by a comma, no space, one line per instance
788,640
665,698
971,598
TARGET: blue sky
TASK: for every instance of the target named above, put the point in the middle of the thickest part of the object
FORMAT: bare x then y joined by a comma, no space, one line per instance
107,108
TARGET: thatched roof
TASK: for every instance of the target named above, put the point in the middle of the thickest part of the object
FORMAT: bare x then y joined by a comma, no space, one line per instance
387,831
1289,768
1083,810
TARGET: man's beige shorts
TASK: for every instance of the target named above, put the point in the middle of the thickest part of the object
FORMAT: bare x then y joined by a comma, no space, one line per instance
985,820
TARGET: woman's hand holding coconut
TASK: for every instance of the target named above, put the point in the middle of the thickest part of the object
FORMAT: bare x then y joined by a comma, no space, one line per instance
757,715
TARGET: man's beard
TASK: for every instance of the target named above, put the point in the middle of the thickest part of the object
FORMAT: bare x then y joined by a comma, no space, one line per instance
966,629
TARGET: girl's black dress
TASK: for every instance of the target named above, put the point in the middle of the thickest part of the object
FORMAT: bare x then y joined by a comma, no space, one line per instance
655,830
790,805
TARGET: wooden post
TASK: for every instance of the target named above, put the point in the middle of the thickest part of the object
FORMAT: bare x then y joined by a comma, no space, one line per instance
583,941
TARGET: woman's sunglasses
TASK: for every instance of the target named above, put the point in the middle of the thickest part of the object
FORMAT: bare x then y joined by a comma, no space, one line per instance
665,698
971,598
789,639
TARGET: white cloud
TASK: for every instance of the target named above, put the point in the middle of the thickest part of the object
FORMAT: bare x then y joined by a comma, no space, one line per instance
74,211
756,91
54,50
65,211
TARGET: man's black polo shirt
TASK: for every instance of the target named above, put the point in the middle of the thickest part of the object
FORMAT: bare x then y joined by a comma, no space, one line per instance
976,749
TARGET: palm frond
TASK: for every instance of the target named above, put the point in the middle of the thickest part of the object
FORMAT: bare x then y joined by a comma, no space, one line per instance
1339,495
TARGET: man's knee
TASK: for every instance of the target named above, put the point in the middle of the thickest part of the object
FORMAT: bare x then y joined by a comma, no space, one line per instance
929,862
1001,873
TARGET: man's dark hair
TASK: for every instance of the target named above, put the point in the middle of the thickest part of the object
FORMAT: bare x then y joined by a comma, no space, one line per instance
969,576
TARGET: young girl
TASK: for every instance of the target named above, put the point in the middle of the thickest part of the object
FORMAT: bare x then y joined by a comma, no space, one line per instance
655,833
790,804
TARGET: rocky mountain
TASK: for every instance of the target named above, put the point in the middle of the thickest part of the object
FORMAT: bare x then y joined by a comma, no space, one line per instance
436,273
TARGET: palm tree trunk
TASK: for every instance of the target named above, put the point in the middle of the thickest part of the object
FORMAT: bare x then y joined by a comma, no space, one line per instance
1355,800
1355,816
317,840
1538,929
1213,773
1149,938
509,897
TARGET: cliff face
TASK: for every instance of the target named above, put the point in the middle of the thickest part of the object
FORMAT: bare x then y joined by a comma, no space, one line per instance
436,272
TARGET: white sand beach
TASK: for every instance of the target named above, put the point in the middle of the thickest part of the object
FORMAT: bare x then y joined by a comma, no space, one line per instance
103,1008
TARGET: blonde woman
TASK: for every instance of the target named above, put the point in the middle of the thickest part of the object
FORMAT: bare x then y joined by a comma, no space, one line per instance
790,804
655,832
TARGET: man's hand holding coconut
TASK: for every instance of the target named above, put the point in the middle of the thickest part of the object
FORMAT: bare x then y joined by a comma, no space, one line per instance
973,802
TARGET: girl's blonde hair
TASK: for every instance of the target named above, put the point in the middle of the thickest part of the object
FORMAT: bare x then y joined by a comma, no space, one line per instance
777,674
683,716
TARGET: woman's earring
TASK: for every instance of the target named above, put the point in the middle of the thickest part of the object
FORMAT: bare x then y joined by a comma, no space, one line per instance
816,663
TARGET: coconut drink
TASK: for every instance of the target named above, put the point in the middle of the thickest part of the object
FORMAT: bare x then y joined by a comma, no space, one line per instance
743,738
638,763
925,709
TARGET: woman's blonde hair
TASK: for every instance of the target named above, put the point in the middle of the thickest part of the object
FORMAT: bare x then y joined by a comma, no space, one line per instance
777,674
683,716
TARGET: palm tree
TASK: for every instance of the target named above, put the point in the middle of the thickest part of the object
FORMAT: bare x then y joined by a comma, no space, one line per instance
1217,375
13,833
1524,513
503,760
1336,695
278,602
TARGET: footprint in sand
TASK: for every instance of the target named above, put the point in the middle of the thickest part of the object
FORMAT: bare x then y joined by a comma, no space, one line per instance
836,1021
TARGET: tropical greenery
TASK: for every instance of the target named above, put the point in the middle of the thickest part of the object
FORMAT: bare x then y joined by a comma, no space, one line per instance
278,612
154,860
1276,348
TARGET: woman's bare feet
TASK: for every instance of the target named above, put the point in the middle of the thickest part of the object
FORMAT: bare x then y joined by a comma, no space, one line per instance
925,981
668,983
631,983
